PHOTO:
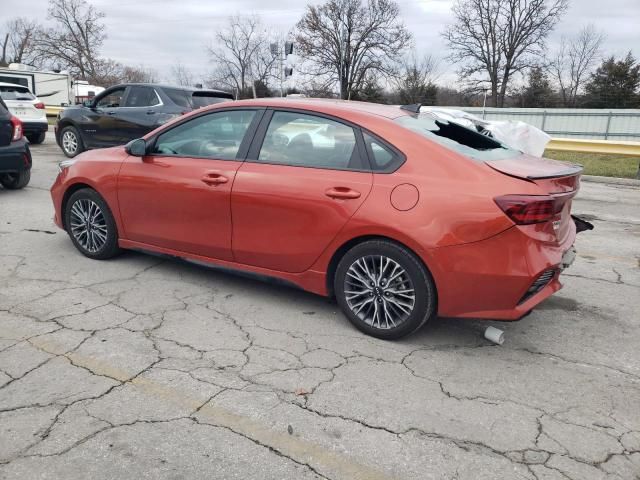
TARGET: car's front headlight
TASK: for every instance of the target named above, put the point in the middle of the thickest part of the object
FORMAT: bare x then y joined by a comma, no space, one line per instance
64,164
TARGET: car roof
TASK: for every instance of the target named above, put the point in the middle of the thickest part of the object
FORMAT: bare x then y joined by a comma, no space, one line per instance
175,87
327,105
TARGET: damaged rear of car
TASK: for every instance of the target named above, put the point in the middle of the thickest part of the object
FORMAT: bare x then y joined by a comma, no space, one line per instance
526,260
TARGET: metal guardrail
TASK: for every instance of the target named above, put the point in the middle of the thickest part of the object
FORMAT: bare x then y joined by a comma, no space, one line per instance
631,149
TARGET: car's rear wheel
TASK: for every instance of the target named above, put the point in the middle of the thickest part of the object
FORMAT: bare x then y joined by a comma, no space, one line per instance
384,290
91,225
70,141
36,138
15,180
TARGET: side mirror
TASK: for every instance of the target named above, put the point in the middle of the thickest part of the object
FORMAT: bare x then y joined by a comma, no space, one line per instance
137,147
87,103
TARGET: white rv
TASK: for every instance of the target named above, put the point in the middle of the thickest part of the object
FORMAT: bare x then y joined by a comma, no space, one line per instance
53,89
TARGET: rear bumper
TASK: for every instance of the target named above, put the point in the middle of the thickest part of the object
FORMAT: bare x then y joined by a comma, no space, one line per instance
500,278
15,157
34,127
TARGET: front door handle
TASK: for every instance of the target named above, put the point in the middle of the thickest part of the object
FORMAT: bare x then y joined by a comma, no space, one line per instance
342,192
111,112
213,178
150,112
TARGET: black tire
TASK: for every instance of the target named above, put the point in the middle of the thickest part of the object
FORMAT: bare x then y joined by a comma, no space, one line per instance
109,248
15,181
70,136
415,277
36,138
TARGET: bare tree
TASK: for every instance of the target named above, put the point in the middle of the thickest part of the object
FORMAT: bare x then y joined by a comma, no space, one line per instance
348,40
494,39
241,55
75,40
181,75
415,82
18,40
574,60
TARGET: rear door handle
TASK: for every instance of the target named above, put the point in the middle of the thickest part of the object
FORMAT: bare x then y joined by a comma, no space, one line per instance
150,112
214,178
342,192
111,112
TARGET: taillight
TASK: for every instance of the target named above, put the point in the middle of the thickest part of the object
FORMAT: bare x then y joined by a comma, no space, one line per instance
17,128
527,209
39,105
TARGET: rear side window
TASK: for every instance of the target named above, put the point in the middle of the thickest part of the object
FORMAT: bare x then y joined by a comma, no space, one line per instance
142,97
202,99
383,158
15,93
457,138
302,140
193,100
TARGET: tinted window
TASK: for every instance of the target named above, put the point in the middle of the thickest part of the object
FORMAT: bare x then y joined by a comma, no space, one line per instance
456,137
17,80
15,93
193,100
142,97
112,100
309,141
217,135
383,158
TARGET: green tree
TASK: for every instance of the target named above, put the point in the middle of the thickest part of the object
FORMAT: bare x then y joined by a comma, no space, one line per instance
538,92
615,84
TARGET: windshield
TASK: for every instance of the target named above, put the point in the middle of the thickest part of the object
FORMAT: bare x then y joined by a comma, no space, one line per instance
457,138
15,93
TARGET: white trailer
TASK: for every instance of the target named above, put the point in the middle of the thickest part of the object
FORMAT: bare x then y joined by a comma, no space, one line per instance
52,88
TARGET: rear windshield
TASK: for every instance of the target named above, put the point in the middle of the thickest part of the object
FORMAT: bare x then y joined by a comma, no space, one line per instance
457,138
15,93
196,99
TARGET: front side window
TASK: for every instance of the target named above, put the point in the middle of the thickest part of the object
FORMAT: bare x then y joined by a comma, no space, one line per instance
113,99
142,97
303,140
216,135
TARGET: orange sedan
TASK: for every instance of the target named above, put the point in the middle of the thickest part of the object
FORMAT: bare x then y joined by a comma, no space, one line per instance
400,215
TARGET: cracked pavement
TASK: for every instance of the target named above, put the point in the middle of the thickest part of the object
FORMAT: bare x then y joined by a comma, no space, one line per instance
140,367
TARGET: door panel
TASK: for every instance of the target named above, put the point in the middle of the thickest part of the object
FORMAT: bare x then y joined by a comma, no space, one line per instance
303,187
178,196
283,217
164,201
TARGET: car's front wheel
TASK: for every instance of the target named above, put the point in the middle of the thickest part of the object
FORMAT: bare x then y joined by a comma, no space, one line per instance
384,290
70,141
90,224
15,181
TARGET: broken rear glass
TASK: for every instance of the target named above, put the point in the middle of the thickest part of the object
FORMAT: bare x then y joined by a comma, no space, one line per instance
457,138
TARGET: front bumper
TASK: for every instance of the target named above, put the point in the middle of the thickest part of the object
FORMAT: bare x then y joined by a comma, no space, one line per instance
15,157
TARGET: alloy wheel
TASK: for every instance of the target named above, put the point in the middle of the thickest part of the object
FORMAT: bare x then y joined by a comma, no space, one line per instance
69,142
379,291
88,225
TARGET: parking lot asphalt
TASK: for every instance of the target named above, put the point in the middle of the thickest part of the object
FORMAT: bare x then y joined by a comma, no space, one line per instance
141,367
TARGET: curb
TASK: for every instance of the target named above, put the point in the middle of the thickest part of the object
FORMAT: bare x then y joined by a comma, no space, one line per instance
611,180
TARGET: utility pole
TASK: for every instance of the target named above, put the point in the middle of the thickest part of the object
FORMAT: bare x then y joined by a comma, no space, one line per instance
282,55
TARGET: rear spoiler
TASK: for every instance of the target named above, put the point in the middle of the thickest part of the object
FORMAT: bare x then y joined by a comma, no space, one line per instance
569,172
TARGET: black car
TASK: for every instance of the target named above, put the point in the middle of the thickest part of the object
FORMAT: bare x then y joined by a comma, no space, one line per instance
15,157
125,112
